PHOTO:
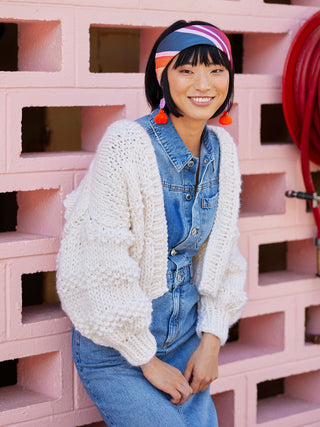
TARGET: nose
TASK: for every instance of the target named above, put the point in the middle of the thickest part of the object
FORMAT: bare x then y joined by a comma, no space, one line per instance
202,81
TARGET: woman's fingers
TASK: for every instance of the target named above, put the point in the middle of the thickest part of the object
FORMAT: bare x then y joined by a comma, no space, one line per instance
176,397
168,379
185,390
188,371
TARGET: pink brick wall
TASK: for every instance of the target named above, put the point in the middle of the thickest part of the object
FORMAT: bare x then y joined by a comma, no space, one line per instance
53,71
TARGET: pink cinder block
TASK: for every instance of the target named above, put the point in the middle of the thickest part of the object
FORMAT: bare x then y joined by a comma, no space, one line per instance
36,372
282,282
237,7
81,398
45,46
305,9
37,212
231,400
263,53
95,121
275,151
287,408
263,194
308,322
25,244
39,390
147,38
99,110
39,46
266,336
39,198
241,136
142,106
36,320
86,417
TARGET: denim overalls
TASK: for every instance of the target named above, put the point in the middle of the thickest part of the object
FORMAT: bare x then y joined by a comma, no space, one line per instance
120,391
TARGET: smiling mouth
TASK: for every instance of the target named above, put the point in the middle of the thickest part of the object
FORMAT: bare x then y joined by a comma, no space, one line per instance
201,100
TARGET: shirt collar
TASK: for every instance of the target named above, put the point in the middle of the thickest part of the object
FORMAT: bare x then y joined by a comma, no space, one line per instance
172,143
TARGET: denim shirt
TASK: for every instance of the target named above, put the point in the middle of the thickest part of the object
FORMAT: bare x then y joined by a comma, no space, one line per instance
190,208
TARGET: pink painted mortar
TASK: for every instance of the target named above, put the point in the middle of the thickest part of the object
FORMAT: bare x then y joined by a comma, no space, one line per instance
53,63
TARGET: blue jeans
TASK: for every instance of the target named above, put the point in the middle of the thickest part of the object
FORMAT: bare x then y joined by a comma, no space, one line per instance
120,391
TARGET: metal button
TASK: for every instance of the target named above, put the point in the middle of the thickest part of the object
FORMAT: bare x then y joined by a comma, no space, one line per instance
194,231
188,196
173,252
179,277
205,160
190,163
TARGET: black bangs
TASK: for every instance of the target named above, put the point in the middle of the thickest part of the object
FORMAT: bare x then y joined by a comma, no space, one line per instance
202,54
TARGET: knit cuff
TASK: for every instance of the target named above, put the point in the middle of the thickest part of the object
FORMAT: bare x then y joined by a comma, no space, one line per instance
216,322
138,349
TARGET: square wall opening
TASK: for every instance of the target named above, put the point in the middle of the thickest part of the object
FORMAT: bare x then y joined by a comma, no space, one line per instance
8,46
8,373
288,396
274,130
255,336
63,129
29,381
312,324
8,211
39,212
263,52
35,212
236,41
30,46
224,403
286,261
263,194
40,300
114,50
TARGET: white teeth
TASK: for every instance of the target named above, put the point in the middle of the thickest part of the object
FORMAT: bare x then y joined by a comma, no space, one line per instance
202,99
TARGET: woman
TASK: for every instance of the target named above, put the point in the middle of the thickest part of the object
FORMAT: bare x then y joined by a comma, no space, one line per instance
149,271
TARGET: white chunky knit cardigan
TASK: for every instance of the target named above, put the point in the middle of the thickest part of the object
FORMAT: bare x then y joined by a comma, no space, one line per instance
112,260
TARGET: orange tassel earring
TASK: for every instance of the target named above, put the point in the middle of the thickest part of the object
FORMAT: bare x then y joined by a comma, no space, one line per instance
161,118
225,119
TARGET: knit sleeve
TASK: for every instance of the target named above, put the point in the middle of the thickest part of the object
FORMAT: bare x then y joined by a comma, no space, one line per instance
216,313
98,268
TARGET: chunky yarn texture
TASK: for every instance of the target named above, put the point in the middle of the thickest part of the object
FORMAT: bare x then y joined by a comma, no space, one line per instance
112,260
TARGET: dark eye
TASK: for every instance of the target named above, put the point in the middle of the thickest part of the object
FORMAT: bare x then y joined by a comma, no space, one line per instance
218,69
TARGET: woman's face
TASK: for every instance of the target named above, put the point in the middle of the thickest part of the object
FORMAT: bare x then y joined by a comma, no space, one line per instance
198,91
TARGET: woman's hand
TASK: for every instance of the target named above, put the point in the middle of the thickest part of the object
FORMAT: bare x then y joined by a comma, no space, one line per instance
202,367
168,379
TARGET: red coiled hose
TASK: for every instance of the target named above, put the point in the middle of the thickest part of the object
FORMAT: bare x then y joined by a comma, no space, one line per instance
301,100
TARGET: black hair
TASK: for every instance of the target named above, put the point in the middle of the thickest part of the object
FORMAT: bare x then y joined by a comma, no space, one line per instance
203,54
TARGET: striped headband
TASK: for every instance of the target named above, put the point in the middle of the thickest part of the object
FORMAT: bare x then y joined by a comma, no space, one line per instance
186,37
